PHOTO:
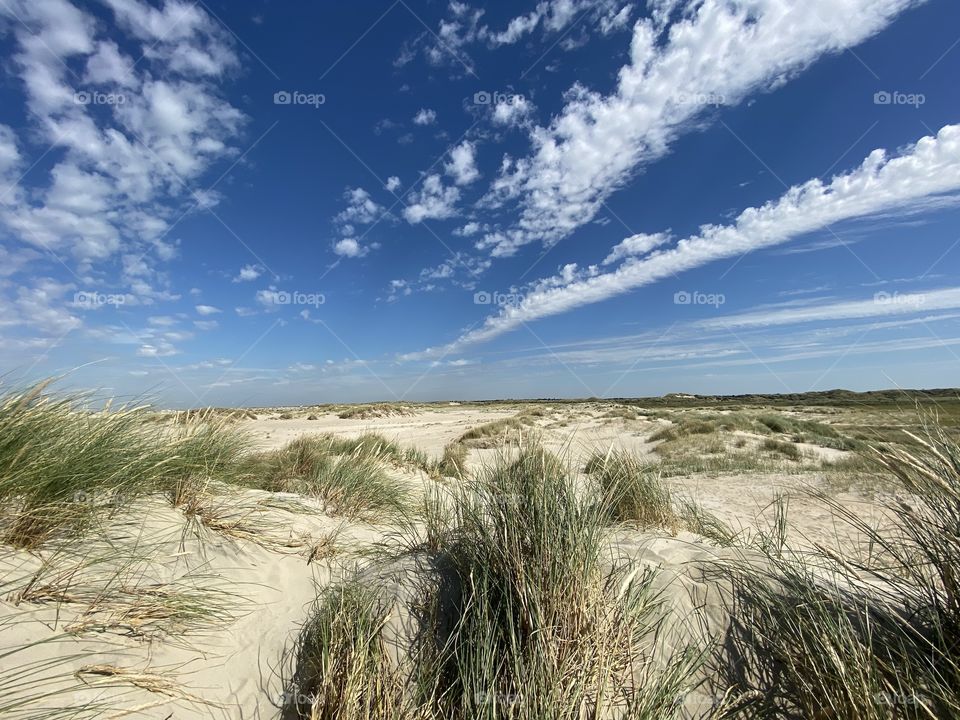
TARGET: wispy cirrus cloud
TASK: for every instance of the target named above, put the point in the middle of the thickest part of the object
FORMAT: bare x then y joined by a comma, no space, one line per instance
921,176
716,54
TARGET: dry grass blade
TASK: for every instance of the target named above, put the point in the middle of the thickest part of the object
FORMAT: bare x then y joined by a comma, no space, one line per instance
115,588
152,682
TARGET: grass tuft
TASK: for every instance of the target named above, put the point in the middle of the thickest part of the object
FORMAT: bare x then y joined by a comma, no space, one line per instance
63,466
348,476
541,621
632,490
874,636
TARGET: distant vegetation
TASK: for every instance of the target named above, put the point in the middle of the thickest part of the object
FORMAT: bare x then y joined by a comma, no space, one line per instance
378,410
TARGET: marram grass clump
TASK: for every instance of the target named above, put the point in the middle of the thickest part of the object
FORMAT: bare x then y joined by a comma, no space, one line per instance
63,465
348,476
535,617
632,490
862,635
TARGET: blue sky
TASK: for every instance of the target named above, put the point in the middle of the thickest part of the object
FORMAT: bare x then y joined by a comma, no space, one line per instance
239,203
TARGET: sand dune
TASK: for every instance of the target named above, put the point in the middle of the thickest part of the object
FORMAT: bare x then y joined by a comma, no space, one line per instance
196,608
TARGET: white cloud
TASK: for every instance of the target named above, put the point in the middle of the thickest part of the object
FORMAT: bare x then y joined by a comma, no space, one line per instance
248,272
615,19
180,35
108,66
881,304
425,116
512,111
634,245
432,201
464,27
393,184
9,153
120,169
462,166
918,178
470,228
161,348
349,247
206,310
397,289
718,52
40,307
361,208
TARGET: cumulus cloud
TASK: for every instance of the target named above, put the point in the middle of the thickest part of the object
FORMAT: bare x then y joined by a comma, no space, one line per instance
248,272
393,184
636,245
512,111
120,170
425,116
920,178
433,201
462,166
470,228
361,209
350,247
108,66
206,310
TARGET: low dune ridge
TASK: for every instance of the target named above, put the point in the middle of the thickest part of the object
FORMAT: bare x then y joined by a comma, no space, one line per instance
610,559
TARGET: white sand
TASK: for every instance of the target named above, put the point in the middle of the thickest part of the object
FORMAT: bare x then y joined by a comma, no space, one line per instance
235,669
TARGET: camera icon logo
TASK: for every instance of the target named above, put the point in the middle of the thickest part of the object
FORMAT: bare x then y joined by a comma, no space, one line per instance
882,98
682,298
482,298
481,98
282,98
